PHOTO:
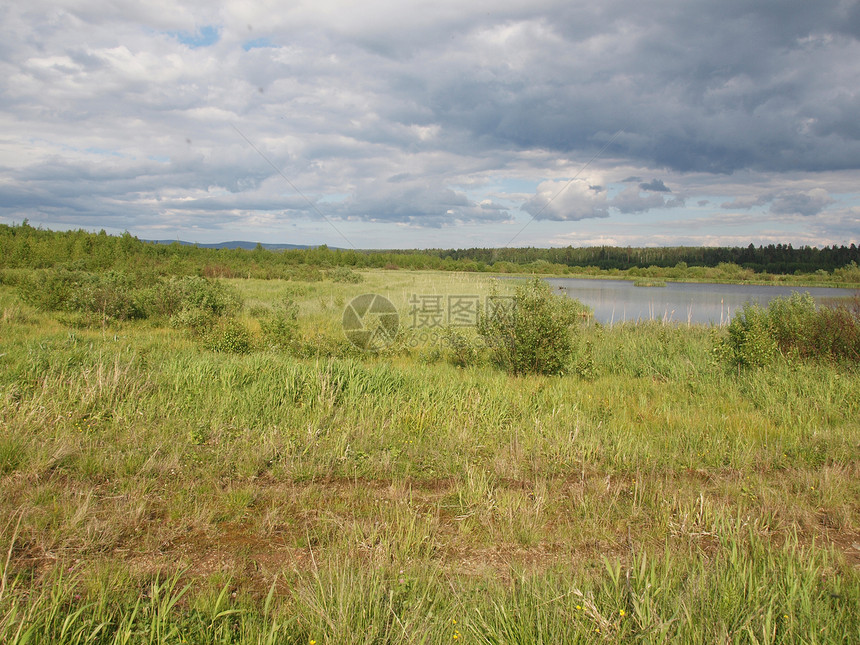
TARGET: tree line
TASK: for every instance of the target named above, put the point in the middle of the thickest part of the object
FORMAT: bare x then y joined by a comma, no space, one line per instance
777,259
26,247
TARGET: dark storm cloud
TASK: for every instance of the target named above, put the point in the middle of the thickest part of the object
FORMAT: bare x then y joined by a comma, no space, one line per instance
696,87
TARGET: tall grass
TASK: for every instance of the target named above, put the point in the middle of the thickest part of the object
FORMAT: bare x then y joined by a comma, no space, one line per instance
155,491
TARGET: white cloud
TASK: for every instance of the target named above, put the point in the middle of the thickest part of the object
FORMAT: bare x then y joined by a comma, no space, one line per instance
636,199
567,200
810,202
109,116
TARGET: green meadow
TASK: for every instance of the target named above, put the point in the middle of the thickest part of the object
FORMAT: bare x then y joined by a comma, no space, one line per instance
168,478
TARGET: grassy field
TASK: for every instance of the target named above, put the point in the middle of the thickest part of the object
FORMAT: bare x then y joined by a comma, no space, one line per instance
154,491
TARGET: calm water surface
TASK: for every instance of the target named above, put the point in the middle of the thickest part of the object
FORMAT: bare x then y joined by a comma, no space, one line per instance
683,302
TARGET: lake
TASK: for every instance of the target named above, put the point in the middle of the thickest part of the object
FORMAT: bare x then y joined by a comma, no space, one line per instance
616,301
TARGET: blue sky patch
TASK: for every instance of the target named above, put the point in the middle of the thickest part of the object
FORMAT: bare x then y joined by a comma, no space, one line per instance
103,152
334,198
257,43
203,37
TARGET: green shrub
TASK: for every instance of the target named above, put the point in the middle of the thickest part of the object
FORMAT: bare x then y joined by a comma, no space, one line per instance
322,345
838,333
460,350
280,326
48,290
196,304
115,295
584,365
170,297
848,273
195,320
750,342
791,327
793,323
228,335
12,277
533,332
111,295
345,274
305,273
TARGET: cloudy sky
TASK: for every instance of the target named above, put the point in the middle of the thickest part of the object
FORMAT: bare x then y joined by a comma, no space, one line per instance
451,123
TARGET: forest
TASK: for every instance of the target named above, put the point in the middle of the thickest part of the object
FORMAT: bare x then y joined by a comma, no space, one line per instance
23,246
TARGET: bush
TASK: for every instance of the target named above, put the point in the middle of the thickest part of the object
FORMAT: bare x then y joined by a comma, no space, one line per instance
345,274
305,273
49,290
115,295
195,320
584,365
460,350
793,323
791,327
533,332
750,341
280,326
12,277
174,295
838,333
848,273
228,335
322,345
112,295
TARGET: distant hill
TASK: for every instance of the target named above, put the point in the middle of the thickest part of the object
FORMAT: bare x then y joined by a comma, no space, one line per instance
237,245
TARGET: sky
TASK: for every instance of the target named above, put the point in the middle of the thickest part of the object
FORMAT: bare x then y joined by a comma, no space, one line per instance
443,124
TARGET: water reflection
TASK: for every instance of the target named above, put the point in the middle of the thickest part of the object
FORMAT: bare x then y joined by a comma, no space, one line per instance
615,301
